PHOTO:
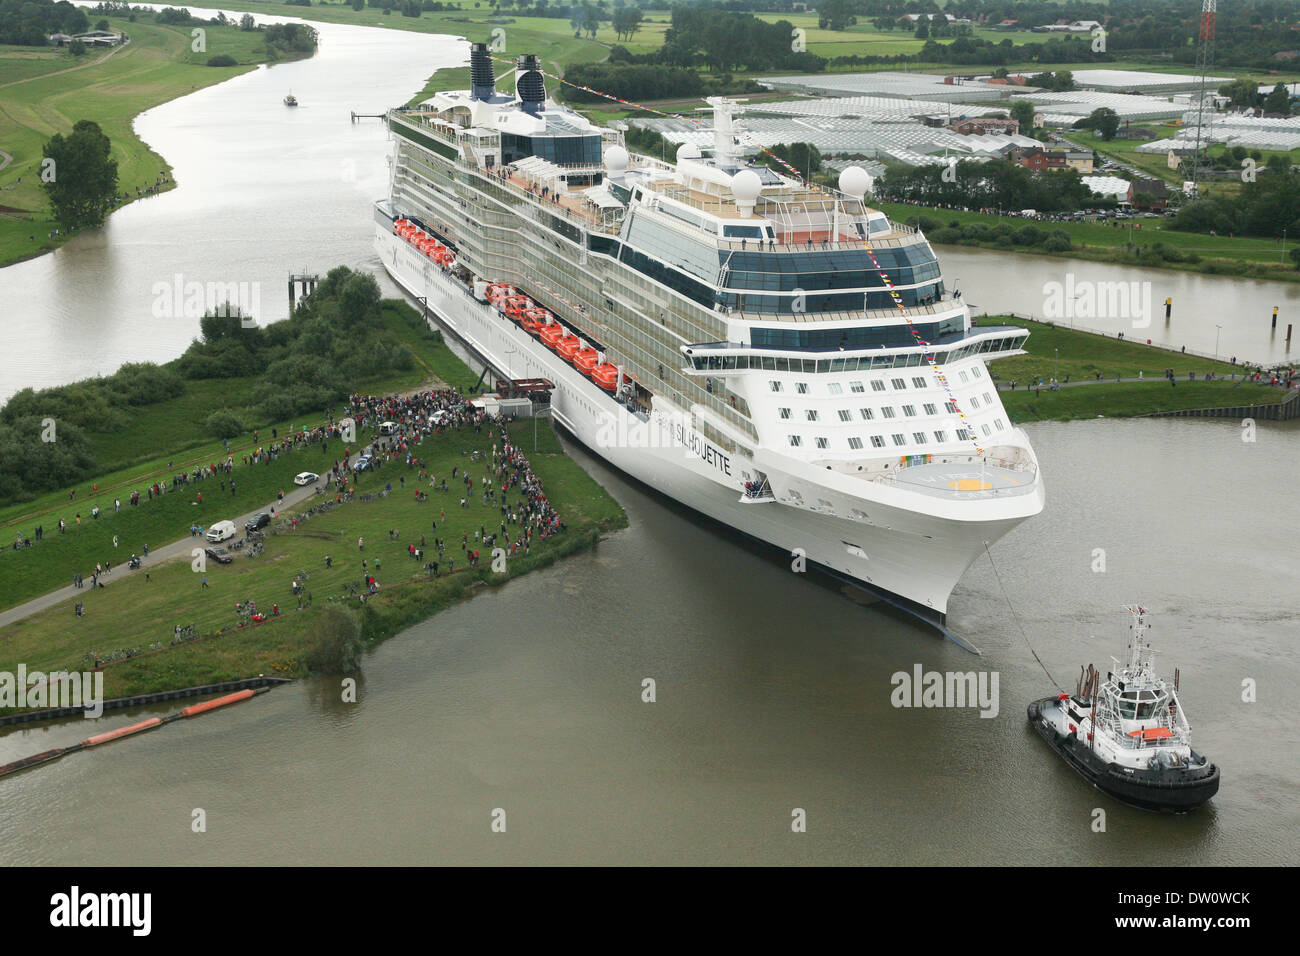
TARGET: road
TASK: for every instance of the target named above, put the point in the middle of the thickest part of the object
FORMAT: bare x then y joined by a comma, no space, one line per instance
176,549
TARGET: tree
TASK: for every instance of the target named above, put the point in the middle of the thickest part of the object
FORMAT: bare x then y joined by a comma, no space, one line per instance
1243,92
101,25
77,48
1107,122
1103,121
626,21
82,178
248,24
923,29
1022,111
836,14
1278,101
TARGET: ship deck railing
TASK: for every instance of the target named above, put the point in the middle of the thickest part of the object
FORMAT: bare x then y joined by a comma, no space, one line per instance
944,305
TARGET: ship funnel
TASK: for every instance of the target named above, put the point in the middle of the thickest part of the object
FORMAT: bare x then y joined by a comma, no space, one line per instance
529,85
482,81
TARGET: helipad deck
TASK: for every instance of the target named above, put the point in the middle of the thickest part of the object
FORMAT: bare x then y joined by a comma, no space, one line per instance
965,479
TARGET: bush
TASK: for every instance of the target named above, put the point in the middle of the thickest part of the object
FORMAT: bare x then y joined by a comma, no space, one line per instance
1028,236
338,646
948,234
225,59
1057,241
225,424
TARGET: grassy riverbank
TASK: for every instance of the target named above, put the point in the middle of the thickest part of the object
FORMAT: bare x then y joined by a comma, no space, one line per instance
169,436
44,91
137,613
1053,351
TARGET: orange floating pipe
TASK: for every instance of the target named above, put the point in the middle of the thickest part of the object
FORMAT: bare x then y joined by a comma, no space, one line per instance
195,709
104,738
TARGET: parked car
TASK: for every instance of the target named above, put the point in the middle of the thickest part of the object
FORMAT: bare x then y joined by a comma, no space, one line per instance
362,463
221,531
305,478
219,555
259,520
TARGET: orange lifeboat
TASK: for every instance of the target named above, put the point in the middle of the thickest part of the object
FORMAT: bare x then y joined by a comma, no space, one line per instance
516,305
606,376
534,319
551,335
586,361
567,347
497,291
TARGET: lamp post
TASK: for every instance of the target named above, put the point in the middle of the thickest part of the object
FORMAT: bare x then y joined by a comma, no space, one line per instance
1217,329
1056,372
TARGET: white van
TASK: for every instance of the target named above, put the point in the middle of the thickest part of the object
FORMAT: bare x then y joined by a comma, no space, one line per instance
221,531
387,428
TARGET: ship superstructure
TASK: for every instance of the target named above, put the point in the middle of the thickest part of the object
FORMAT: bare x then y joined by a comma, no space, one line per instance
786,359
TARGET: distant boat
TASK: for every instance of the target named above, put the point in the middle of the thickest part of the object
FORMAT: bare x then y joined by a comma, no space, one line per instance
291,100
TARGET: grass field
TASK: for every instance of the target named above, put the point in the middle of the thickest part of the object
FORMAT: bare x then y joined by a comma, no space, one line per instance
137,613
1127,399
1074,356
45,91
1054,351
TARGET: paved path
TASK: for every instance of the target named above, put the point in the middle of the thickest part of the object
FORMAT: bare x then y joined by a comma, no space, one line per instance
71,69
176,549
1005,386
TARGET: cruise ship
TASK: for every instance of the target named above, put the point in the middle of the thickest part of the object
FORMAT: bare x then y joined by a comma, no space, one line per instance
773,354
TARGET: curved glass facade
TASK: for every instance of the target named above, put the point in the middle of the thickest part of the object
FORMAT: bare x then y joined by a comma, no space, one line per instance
830,301
564,150
887,335
828,269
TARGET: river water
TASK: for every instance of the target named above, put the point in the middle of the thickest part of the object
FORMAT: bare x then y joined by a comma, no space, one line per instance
1238,313
773,693
773,689
264,190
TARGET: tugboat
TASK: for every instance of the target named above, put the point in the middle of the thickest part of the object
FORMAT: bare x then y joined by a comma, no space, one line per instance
1128,736
291,100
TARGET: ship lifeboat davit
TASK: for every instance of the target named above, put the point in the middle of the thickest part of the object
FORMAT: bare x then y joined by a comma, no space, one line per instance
551,335
567,347
586,361
606,376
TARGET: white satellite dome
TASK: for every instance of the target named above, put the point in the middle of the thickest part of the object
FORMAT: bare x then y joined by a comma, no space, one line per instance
687,151
855,181
745,187
616,160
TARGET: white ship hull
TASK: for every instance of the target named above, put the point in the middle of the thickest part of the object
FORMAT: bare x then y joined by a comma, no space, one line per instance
909,554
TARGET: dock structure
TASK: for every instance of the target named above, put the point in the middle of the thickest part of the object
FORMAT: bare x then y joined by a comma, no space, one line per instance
308,283
357,117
